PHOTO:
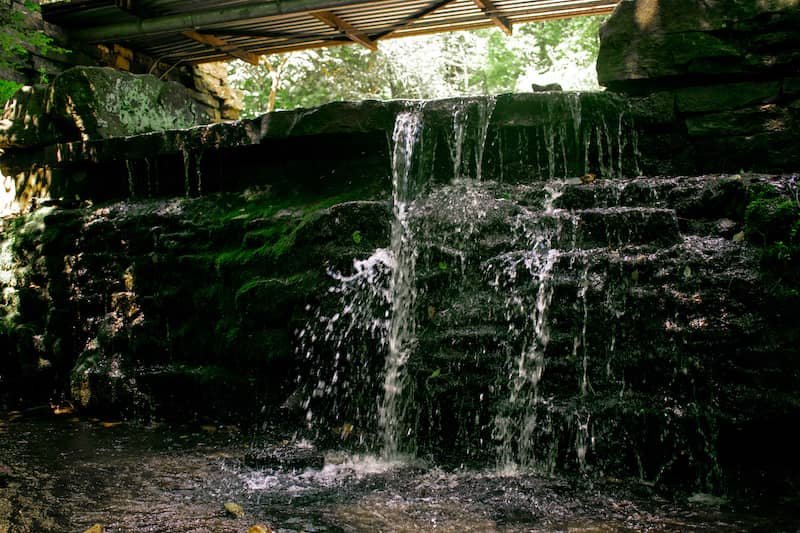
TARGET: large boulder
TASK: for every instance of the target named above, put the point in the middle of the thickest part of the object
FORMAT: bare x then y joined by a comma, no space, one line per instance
648,43
712,84
89,103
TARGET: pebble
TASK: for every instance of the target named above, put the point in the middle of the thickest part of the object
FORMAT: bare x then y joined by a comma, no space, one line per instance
234,509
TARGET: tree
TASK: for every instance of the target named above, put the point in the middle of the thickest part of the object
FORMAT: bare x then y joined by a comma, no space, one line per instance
478,62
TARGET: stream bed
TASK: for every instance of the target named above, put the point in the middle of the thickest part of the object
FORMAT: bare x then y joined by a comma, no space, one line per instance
65,473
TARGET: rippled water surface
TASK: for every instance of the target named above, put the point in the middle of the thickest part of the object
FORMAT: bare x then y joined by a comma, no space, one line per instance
66,473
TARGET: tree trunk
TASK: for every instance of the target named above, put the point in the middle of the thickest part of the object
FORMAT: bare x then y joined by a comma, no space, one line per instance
275,74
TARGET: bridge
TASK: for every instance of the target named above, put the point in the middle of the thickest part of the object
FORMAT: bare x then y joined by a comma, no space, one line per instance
200,31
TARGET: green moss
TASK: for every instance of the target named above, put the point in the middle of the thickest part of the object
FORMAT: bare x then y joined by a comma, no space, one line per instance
281,222
226,333
769,220
8,89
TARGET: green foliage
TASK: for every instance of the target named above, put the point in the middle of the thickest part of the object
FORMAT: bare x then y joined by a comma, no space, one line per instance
553,45
770,218
17,40
356,237
8,89
478,62
772,222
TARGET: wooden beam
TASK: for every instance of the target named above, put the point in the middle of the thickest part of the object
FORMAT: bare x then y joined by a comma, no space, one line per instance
411,19
528,16
343,26
525,17
222,45
488,7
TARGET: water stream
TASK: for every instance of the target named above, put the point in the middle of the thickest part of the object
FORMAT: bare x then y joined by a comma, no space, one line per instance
63,474
402,284
378,301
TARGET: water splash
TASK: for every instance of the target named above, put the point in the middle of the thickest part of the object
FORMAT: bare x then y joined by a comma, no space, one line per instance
371,336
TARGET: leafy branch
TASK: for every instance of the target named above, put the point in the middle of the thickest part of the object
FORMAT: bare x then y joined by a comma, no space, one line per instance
17,41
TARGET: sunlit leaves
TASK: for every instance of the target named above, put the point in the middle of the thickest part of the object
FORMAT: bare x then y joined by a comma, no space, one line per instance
470,63
17,40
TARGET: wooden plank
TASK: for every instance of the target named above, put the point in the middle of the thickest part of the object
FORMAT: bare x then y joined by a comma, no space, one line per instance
223,46
427,26
343,26
445,26
297,24
491,11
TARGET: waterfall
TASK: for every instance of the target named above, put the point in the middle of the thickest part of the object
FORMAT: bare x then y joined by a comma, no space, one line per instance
402,291
460,237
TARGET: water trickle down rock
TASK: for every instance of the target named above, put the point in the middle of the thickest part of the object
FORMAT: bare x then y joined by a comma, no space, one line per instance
467,138
378,301
524,276
459,232
561,135
550,344
374,314
402,285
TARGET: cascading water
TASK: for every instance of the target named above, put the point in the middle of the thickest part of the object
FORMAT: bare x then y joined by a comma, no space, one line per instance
375,313
434,229
402,285
537,233
467,138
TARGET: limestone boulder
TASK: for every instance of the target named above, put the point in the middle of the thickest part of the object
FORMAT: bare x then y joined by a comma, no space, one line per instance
91,103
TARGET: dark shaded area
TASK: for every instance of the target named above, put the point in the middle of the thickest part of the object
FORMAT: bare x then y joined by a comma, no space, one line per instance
714,87
66,473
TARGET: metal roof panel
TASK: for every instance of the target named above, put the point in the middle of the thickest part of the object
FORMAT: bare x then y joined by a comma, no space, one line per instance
180,30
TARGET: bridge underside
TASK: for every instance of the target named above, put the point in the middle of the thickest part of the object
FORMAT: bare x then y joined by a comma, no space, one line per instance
200,31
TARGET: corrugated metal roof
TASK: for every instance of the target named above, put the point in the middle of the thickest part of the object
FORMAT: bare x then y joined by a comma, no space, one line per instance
199,31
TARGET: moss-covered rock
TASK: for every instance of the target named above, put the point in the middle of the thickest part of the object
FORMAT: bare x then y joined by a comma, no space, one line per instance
647,43
772,223
100,103
90,103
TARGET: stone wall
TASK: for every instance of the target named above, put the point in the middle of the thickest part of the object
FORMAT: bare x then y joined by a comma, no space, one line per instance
716,83
207,83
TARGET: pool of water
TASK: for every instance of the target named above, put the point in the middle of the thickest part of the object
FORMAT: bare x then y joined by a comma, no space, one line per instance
65,473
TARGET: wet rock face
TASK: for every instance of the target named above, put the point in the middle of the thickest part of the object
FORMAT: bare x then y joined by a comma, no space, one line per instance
616,331
90,103
180,308
647,43
488,307
619,327
508,138
715,83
